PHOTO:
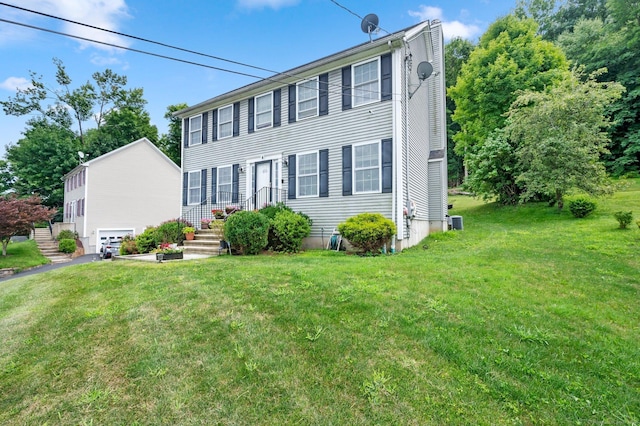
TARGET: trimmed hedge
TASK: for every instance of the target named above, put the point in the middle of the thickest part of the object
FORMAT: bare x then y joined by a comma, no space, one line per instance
289,229
368,232
247,231
67,245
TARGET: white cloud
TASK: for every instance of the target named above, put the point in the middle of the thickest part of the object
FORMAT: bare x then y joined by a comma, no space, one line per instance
259,4
99,13
13,83
450,29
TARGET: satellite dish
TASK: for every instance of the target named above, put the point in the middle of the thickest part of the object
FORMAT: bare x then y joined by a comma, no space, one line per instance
80,154
425,69
369,24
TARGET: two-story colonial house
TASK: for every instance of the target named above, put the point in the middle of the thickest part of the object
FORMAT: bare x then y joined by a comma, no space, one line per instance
362,130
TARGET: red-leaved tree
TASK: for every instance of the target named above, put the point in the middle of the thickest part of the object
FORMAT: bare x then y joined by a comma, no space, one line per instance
17,216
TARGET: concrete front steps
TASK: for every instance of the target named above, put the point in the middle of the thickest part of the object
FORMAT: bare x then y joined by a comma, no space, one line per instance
49,247
206,241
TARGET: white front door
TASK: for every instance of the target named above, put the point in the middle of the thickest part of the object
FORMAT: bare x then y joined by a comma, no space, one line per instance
263,175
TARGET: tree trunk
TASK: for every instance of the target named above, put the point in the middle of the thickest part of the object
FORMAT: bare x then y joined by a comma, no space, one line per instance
559,199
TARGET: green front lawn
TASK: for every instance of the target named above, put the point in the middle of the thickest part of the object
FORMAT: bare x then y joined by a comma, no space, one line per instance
528,316
22,256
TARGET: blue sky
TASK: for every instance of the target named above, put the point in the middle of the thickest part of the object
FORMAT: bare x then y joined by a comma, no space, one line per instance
273,34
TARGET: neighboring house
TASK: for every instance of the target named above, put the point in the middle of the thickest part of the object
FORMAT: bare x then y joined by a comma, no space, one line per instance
121,192
357,131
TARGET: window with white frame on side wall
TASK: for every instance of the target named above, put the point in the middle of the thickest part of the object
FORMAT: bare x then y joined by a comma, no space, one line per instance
307,174
225,183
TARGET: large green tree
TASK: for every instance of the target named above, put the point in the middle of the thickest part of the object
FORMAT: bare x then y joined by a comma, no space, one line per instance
40,159
457,52
171,143
555,17
560,136
509,58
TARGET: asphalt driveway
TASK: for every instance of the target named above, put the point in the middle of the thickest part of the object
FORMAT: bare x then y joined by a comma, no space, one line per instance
87,258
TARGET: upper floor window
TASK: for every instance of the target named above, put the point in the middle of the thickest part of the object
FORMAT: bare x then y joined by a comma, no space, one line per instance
308,99
264,110
307,174
366,167
194,187
366,82
195,130
225,122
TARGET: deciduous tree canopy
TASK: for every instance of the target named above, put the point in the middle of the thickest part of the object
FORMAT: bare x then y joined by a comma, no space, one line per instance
17,216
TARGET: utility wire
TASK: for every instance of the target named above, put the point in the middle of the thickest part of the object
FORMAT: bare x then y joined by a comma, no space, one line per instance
351,12
340,87
139,38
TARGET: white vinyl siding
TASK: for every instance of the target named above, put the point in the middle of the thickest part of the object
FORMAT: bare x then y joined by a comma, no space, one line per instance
366,82
307,174
264,111
225,122
307,99
195,130
194,187
224,181
366,168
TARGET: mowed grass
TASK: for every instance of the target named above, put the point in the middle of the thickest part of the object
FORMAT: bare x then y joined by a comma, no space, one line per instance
528,316
23,255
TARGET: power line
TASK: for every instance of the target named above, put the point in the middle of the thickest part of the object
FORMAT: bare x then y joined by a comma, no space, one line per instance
139,38
351,12
338,86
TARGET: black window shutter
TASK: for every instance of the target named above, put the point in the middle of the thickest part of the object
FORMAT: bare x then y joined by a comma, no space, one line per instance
292,177
203,186
386,83
347,175
292,103
323,100
346,88
324,173
277,108
251,112
185,188
205,126
236,119
185,127
387,165
215,124
235,182
214,185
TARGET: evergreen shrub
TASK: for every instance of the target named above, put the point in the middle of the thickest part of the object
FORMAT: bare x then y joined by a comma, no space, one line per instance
368,232
247,231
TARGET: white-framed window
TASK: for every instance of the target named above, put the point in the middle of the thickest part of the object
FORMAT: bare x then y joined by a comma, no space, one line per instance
366,82
225,122
307,174
194,187
366,167
307,98
264,111
195,130
225,183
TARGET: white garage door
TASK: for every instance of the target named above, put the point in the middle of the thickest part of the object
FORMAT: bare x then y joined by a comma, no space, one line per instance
103,234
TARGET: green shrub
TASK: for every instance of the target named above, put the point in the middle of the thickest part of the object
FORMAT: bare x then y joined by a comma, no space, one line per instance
638,223
623,218
66,234
581,206
67,245
247,231
146,241
128,245
270,212
289,229
171,231
368,232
